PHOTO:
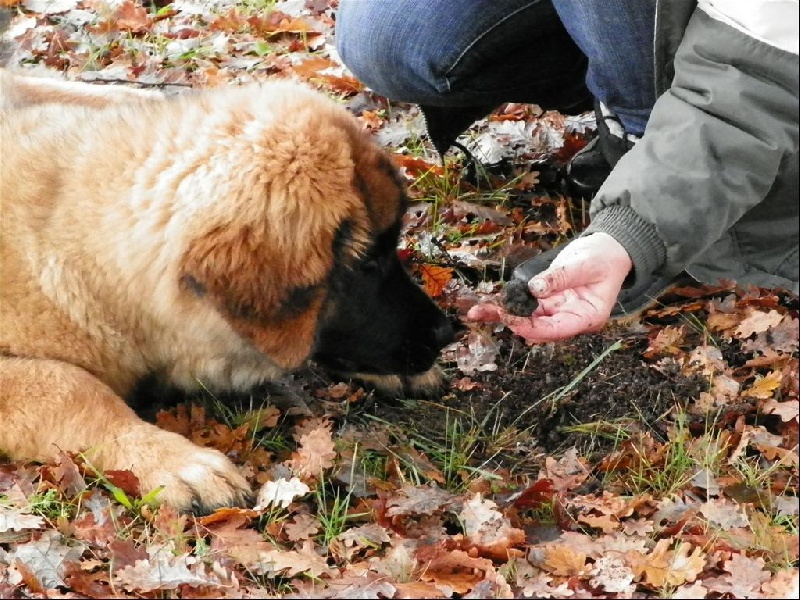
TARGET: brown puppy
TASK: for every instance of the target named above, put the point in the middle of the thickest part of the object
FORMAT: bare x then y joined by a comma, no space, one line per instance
218,238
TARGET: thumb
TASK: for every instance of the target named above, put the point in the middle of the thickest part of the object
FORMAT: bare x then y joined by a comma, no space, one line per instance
555,280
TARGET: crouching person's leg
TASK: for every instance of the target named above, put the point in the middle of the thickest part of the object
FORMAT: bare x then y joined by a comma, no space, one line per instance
465,56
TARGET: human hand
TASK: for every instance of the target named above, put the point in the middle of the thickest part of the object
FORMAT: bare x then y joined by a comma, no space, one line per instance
576,293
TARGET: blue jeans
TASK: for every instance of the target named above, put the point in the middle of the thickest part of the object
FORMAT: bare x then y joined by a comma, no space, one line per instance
468,53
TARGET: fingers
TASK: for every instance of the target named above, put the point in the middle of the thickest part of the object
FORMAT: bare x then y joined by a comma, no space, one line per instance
557,318
551,328
552,281
486,312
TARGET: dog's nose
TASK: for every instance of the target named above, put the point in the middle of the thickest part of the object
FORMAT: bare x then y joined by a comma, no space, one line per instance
443,333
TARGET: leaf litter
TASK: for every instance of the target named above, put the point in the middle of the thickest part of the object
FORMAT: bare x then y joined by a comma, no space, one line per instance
656,459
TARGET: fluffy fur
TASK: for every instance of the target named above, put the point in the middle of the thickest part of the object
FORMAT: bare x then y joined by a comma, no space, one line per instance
214,237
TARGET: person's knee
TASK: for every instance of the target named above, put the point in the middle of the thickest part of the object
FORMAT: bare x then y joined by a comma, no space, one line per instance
364,40
375,41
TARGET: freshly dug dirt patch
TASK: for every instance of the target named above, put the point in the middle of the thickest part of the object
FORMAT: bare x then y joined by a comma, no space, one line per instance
538,400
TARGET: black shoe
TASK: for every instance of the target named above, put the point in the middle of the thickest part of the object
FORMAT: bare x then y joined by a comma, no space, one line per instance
587,171
631,302
590,167
444,124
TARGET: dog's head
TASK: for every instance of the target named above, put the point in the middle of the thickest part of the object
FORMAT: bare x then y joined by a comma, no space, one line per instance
300,254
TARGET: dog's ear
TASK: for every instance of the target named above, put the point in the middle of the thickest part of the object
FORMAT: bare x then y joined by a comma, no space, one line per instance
258,289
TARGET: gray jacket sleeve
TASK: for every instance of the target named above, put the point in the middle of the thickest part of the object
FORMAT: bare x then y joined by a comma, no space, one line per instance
713,146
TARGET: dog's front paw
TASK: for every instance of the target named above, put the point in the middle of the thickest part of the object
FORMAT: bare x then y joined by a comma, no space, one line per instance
194,479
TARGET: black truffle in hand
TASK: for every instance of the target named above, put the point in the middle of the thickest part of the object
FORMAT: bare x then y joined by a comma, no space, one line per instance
518,300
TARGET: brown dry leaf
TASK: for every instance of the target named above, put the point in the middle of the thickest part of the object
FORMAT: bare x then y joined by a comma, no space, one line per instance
243,545
764,387
89,584
756,322
264,418
16,520
724,514
705,360
315,452
132,16
414,166
301,527
667,341
665,567
539,587
606,523
612,573
419,500
370,534
288,563
101,524
564,561
68,475
46,558
360,541
408,455
690,591
487,530
744,577
455,569
310,67
784,584
534,496
435,278
637,527
163,570
568,472
417,589
723,322
559,559
463,209
565,213
785,410
358,586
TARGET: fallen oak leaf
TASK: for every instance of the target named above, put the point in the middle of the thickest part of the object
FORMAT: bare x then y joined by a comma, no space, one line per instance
414,166
455,568
301,527
162,570
17,519
612,573
315,452
280,492
764,388
785,410
664,567
288,563
131,16
744,577
534,496
756,322
419,500
667,341
487,530
558,559
46,558
568,472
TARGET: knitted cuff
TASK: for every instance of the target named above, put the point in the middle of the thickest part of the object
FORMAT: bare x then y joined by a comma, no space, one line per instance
637,236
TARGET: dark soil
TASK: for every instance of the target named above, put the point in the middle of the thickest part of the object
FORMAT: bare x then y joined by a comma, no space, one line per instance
534,397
